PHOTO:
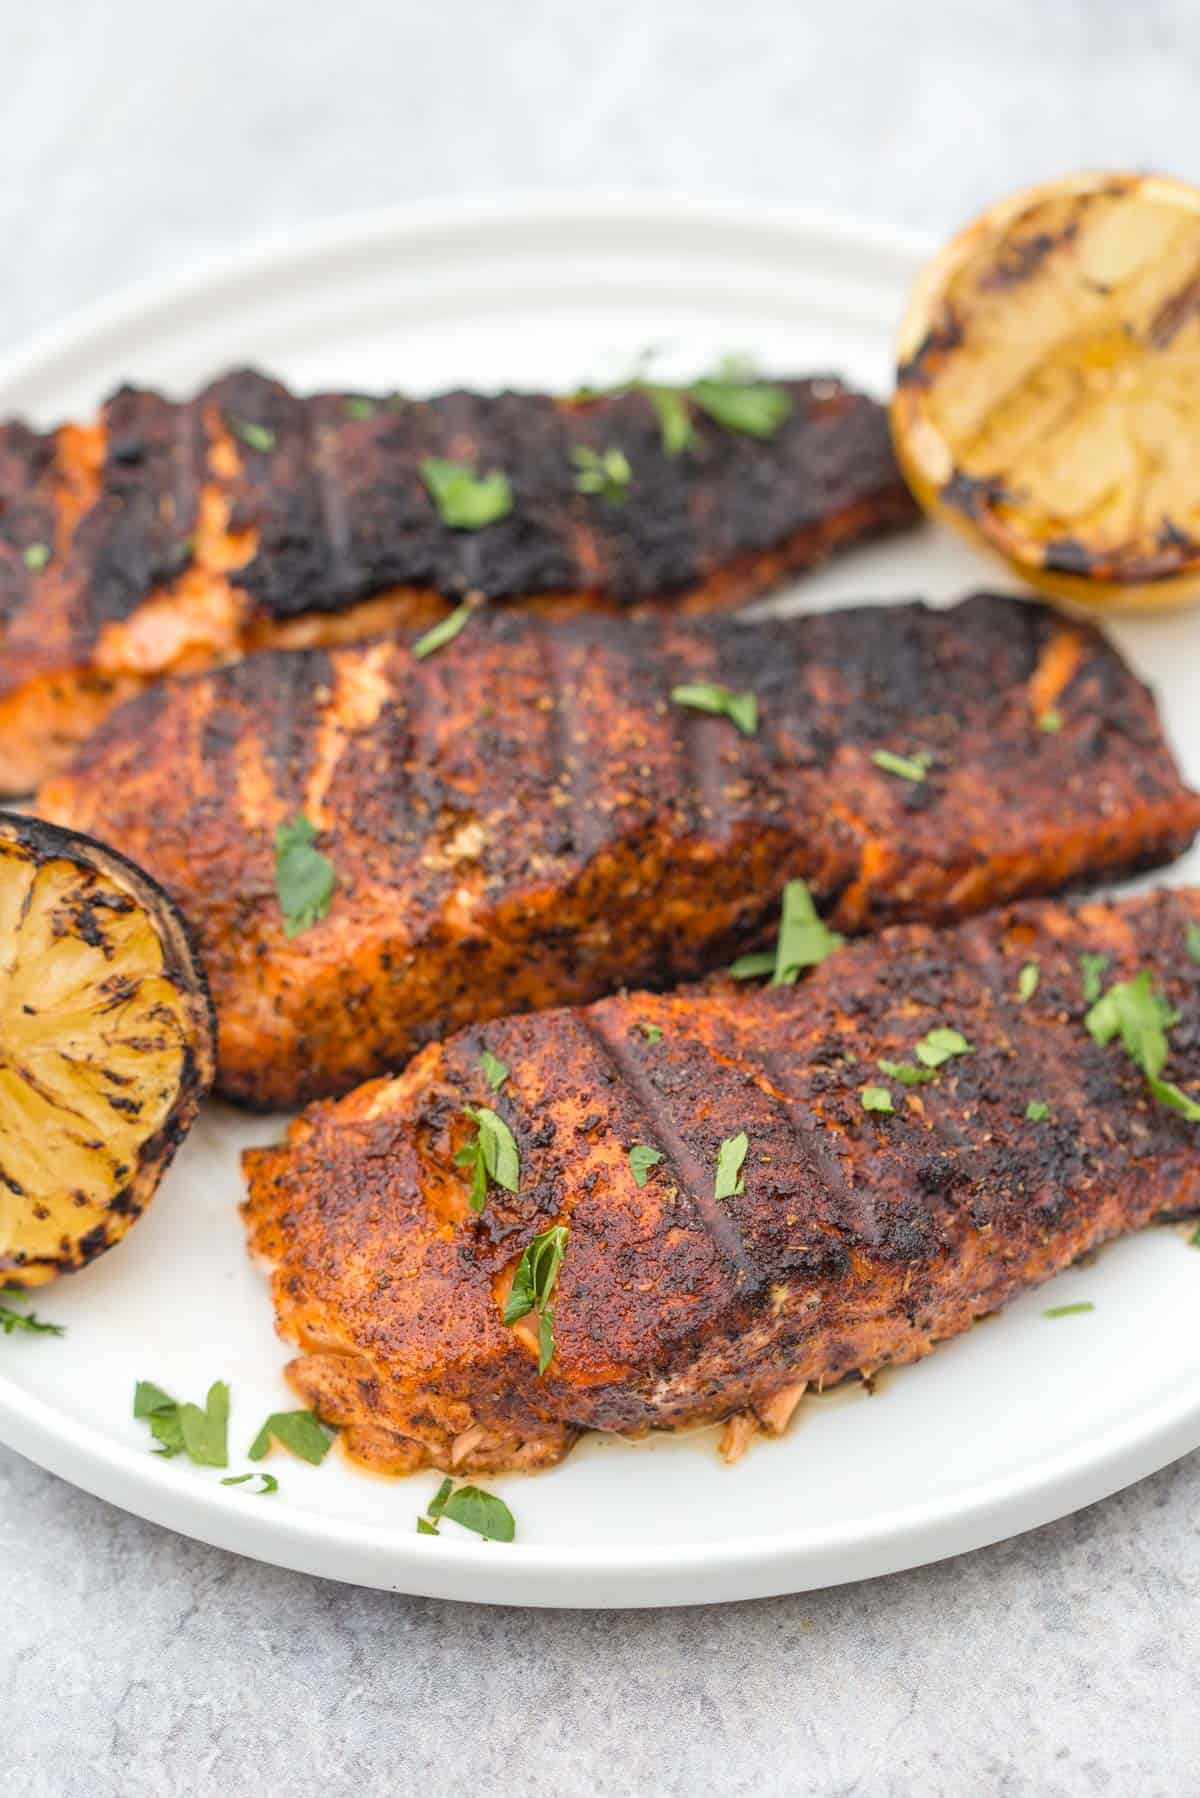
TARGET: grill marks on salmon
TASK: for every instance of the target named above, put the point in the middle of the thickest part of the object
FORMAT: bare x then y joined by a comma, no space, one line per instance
525,819
860,1240
182,534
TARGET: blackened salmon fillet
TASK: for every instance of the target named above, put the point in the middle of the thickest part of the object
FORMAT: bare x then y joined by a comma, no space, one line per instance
529,818
916,1135
170,535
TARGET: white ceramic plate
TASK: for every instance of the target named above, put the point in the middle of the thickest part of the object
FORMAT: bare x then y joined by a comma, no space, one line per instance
1016,1423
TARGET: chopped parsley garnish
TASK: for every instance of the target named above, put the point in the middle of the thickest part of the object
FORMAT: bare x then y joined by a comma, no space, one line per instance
465,500
491,1155
803,941
940,1045
1194,1238
357,405
1050,722
304,878
1037,1111
753,408
652,1033
641,1159
1069,1310
494,1071
1193,942
908,767
254,436
1091,972
473,1509
876,1098
906,1073
1141,1017
269,1483
674,419
201,1434
709,696
443,632
298,1431
730,1156
29,1321
533,1287
604,472
1027,981
35,556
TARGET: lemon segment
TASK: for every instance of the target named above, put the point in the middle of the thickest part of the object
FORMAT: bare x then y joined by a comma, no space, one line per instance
1048,391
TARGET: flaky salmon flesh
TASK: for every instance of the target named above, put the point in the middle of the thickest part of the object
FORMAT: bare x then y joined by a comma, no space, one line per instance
530,818
167,536
860,1231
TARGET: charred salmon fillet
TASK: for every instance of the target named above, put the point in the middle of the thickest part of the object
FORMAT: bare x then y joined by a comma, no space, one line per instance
784,1224
528,818
170,535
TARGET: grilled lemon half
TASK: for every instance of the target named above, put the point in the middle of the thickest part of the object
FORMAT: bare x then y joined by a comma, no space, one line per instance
107,1045
1048,391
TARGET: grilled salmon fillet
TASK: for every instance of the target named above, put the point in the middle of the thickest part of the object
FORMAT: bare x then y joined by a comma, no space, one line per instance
855,1238
527,819
170,535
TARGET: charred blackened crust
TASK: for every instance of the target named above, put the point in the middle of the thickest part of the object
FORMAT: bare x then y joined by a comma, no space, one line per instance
856,1239
527,818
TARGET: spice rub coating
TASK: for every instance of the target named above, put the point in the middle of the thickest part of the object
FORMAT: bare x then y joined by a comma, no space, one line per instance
167,535
860,1239
526,819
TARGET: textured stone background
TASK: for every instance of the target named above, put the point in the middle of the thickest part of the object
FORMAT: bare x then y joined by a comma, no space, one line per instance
135,139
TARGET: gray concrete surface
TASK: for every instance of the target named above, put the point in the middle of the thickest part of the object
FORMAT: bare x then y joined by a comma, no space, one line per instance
137,138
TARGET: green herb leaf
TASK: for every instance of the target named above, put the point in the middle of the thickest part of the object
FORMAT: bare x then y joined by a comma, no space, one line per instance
1167,1093
35,556
1193,942
443,632
425,1528
641,1159
495,1071
940,1045
674,419
1037,1111
754,408
304,878
254,436
358,406
906,1073
750,967
298,1431
438,1502
876,1098
533,1287
1050,722
1091,970
1027,982
804,941
1194,1238
491,1155
709,696
1132,1010
1069,1310
652,1033
269,1483
908,767
730,1156
482,1512
149,1399
11,1321
206,1432
464,500
604,472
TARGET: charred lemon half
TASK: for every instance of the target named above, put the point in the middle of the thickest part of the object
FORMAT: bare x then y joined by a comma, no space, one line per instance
1048,391
106,1046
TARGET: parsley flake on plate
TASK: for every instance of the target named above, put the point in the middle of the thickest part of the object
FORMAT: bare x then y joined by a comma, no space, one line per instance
492,1154
1027,982
304,878
1050,722
941,1045
35,556
876,1098
652,1033
200,1433
1134,1011
710,696
752,408
1037,1111
466,501
1193,942
1091,972
357,406
443,632
472,1509
641,1159
730,1156
28,1321
803,941
674,419
300,1432
494,1071
908,767
1070,1310
906,1072
269,1483
603,472
254,436
533,1287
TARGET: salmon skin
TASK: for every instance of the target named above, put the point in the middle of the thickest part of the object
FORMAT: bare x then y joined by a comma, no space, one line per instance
527,818
170,535
853,1239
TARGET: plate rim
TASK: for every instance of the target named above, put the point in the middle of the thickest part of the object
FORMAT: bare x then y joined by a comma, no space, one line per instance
602,1576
